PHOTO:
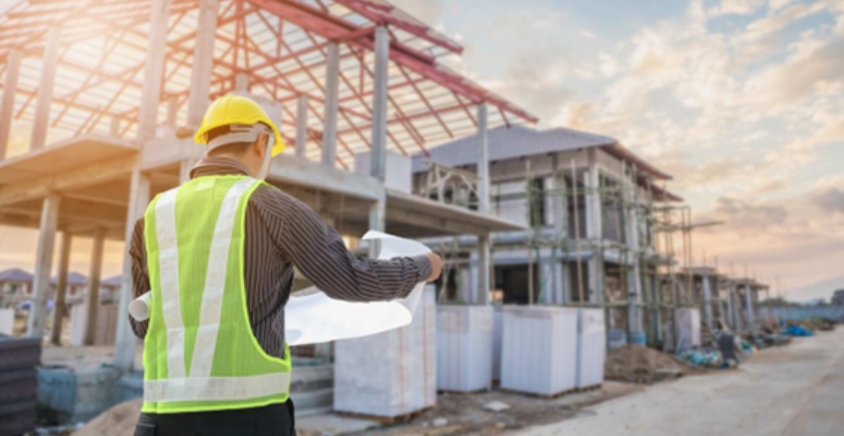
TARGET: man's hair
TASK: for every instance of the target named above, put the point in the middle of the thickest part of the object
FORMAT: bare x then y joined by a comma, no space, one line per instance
236,148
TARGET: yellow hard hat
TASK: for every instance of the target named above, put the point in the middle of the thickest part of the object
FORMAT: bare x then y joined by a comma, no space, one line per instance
236,109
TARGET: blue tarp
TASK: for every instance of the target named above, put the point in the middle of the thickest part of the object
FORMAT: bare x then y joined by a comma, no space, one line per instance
796,330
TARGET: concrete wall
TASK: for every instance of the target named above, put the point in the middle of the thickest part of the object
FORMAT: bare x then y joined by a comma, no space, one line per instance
799,313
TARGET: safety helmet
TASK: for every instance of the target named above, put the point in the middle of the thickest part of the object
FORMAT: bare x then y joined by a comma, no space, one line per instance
243,115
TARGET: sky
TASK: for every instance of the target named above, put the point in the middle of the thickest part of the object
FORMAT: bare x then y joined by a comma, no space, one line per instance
741,100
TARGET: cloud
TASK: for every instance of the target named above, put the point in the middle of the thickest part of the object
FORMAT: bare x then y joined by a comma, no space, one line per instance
831,200
738,7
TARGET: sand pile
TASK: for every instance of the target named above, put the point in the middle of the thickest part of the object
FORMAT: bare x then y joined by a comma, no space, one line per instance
638,364
120,420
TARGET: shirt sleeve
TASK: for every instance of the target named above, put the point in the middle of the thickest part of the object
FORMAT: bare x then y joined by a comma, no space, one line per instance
319,253
140,275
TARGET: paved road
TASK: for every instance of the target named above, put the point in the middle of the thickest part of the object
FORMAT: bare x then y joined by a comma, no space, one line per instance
787,391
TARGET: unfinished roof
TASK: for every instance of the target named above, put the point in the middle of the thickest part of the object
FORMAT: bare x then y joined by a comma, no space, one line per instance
15,275
521,141
279,45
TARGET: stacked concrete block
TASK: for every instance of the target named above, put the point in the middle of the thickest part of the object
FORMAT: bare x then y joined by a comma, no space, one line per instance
390,374
464,348
591,348
497,340
539,354
688,323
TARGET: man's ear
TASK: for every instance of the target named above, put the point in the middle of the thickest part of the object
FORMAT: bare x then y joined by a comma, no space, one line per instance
260,144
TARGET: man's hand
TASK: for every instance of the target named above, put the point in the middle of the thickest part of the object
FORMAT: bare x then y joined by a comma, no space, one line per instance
436,266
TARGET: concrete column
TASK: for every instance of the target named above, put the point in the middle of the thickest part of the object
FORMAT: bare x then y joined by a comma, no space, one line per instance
114,127
153,70
241,82
594,228
635,314
559,206
203,57
301,126
483,160
707,300
656,299
7,103
748,299
484,271
173,113
377,221
93,298
378,157
61,289
332,82
126,342
41,120
43,265
731,314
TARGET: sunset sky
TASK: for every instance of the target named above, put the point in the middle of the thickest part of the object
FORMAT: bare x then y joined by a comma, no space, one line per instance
741,100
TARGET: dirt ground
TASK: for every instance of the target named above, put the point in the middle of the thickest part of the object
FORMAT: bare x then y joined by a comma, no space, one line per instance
464,414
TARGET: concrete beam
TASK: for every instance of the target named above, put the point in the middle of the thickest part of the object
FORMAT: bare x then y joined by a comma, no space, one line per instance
43,265
483,160
301,126
126,342
332,83
153,70
7,103
378,156
203,57
93,297
41,120
61,289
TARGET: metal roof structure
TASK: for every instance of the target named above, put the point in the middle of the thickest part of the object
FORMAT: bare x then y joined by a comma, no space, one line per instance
278,46
508,142
15,275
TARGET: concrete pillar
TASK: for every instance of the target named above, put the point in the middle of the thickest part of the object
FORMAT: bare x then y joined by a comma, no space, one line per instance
707,300
7,103
484,271
332,82
377,221
656,299
241,82
93,298
378,157
43,265
173,113
559,206
748,300
301,126
126,342
731,313
41,120
483,160
594,228
635,315
153,70
185,166
203,57
61,289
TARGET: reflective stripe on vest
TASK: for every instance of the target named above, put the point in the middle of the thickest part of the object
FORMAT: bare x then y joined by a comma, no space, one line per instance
198,384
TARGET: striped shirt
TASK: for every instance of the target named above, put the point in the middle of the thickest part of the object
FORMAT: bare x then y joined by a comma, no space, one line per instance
282,232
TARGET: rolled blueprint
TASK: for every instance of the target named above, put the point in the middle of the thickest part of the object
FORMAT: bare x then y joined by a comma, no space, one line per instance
315,317
139,307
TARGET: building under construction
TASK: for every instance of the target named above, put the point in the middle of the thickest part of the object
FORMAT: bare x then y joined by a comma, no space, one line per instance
100,100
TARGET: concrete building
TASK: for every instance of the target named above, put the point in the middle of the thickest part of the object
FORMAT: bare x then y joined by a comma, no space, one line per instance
587,203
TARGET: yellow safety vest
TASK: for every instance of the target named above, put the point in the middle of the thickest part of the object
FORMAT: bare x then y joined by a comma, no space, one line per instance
199,351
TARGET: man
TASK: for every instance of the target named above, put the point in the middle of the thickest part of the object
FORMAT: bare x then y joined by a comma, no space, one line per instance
218,254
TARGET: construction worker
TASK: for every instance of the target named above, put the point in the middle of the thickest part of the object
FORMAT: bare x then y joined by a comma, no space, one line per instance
218,254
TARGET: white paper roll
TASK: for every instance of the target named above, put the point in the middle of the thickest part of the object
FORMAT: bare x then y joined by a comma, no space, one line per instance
139,307
315,317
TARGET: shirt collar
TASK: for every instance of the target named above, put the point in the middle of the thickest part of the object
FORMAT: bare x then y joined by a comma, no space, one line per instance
218,166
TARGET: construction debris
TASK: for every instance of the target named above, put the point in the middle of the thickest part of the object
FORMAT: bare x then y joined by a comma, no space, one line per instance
638,364
120,420
496,406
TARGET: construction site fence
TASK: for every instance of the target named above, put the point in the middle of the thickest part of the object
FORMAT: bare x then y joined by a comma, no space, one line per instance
800,313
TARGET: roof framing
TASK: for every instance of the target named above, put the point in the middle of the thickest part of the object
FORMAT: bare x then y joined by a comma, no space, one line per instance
279,45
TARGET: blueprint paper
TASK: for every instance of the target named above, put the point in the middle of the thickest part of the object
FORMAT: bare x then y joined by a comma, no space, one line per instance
316,318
